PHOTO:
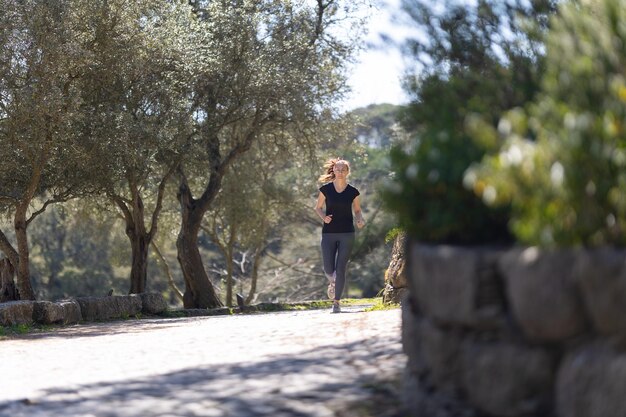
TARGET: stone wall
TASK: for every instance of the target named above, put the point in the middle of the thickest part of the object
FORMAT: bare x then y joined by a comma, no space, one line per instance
80,309
512,333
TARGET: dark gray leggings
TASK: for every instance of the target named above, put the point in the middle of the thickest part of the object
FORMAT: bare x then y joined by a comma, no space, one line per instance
336,248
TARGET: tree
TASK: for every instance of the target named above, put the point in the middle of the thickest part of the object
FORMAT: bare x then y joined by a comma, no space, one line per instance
45,159
265,66
376,124
254,204
135,96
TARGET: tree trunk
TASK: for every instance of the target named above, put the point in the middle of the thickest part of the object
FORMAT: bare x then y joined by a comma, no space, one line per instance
140,238
199,292
8,290
166,268
23,270
140,245
254,277
229,266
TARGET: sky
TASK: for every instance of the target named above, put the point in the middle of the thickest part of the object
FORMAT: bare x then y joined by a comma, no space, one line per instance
376,75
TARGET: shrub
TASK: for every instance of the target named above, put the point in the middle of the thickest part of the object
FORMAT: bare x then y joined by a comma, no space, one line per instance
474,72
562,166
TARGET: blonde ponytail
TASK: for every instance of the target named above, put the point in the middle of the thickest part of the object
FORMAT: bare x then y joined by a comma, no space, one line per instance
329,166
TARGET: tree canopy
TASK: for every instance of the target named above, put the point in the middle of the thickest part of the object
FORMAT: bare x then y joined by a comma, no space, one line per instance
45,157
117,100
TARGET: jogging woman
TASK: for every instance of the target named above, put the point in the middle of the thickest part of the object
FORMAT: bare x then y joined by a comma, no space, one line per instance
341,200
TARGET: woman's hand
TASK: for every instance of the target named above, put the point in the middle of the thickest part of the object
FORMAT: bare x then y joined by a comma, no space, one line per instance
356,207
328,219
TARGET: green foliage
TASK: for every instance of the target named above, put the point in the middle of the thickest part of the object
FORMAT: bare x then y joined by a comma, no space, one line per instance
562,164
75,253
393,233
252,208
107,97
474,72
43,153
376,124
133,92
15,329
379,305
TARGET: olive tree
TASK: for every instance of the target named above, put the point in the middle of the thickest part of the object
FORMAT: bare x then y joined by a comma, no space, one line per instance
44,157
256,201
139,109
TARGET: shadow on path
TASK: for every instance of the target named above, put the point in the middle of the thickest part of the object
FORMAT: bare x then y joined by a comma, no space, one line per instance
328,381
129,326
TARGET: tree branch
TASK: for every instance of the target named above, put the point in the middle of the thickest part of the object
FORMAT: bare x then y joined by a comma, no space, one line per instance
9,250
213,236
121,203
168,272
292,265
219,165
319,24
159,202
45,205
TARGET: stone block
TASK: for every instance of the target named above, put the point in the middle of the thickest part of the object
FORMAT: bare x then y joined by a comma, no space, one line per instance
441,353
601,275
591,382
420,400
71,311
456,285
47,312
97,308
152,303
106,308
507,380
410,339
542,293
16,312
127,305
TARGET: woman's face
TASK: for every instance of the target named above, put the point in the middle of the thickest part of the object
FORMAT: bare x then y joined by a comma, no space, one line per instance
341,170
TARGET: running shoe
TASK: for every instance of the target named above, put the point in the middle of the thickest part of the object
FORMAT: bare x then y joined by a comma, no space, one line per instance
331,291
336,308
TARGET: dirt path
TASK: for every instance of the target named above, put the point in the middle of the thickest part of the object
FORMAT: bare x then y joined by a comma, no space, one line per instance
307,363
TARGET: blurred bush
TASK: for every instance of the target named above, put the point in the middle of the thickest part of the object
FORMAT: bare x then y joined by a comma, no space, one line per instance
476,62
562,163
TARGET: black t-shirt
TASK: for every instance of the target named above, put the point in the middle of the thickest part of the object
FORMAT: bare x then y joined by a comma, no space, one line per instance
340,206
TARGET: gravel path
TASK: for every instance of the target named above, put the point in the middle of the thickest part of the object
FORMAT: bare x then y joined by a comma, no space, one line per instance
305,363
